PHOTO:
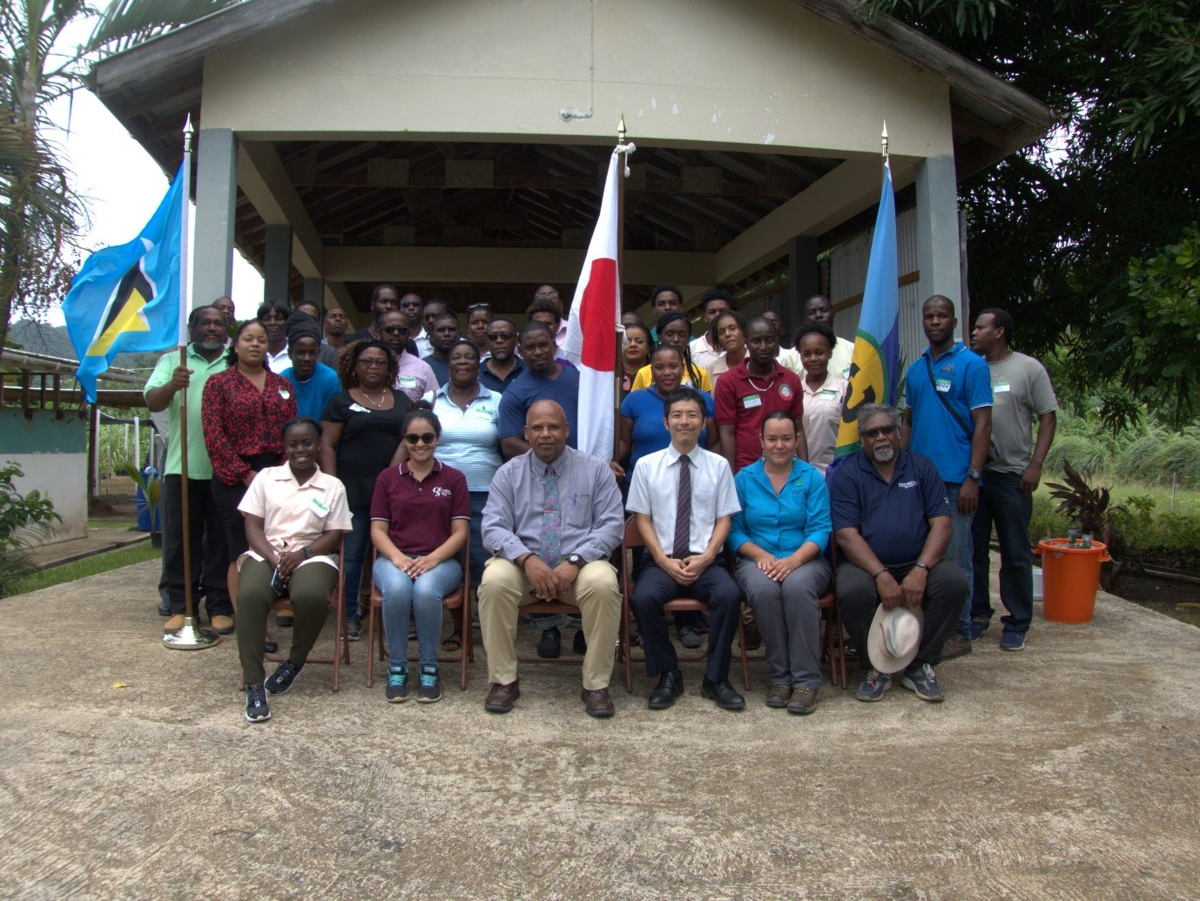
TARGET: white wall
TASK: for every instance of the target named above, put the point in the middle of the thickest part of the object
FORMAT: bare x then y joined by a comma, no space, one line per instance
62,477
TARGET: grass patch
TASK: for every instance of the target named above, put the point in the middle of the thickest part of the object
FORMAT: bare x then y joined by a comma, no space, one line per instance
89,566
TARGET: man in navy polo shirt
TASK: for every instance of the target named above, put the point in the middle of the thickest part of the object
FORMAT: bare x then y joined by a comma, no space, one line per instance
891,519
544,378
948,392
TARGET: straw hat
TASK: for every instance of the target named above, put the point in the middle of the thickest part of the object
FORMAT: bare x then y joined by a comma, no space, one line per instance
894,637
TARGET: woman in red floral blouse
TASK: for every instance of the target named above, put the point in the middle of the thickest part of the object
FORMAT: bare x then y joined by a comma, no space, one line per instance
243,412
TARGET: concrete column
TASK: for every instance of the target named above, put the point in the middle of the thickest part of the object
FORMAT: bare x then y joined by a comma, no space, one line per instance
314,291
277,265
216,199
937,232
804,280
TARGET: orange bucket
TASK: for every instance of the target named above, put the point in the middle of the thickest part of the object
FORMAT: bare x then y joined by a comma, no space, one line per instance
1070,578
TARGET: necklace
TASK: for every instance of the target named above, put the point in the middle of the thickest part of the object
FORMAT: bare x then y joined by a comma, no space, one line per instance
761,388
377,404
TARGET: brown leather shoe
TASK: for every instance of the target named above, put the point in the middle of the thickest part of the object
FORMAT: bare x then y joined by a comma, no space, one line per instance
174,624
803,702
955,646
223,624
779,695
501,697
597,702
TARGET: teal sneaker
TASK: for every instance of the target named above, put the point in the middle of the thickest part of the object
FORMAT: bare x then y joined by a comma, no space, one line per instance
429,688
397,685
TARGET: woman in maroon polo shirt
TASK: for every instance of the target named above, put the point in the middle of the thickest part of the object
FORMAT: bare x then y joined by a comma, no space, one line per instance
243,412
419,522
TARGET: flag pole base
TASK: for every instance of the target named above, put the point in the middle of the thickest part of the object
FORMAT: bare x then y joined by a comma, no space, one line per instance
190,637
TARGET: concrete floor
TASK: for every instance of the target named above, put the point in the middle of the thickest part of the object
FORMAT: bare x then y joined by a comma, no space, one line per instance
1066,771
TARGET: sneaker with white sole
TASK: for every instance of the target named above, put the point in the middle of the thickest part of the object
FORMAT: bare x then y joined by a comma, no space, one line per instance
257,710
429,686
281,680
873,686
397,685
1012,641
923,683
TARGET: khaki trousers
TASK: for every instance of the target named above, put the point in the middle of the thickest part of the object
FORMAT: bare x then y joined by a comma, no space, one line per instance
504,590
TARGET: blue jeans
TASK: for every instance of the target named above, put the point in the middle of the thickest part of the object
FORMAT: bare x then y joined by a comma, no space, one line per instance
356,549
1002,503
423,599
961,551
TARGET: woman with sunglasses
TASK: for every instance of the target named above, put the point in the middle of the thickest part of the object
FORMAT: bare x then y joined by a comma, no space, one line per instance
673,331
242,411
420,513
824,392
360,433
728,332
635,353
469,413
780,537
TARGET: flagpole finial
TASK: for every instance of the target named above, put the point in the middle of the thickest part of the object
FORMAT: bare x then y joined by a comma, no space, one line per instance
188,131
883,140
621,130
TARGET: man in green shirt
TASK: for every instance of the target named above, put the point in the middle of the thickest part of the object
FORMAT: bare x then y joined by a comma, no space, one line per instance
205,357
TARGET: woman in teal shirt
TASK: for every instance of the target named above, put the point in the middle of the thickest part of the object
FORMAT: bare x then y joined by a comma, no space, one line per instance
780,537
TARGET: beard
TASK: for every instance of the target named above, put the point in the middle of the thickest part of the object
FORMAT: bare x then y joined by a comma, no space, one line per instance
883,453
211,344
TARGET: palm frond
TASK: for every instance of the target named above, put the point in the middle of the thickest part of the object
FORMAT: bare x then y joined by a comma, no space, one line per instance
124,23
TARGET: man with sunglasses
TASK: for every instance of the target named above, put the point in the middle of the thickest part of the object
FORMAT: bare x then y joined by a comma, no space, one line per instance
503,366
413,376
891,519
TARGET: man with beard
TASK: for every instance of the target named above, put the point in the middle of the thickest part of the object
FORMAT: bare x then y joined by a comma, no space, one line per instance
413,376
501,369
891,519
205,357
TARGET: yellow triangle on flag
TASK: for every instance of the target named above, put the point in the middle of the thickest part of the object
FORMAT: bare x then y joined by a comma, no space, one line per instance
126,312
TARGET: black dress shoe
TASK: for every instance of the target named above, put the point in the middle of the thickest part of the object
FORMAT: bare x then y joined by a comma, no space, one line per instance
579,645
550,644
164,607
670,686
722,692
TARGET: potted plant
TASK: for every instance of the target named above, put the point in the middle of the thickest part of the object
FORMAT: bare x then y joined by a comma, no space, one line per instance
149,485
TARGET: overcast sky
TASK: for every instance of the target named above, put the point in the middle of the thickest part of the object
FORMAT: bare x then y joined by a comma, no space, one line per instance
122,186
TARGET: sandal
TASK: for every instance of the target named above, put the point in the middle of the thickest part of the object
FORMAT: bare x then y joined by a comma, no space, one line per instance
452,642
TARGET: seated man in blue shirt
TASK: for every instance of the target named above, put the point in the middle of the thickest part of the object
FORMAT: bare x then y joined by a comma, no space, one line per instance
891,519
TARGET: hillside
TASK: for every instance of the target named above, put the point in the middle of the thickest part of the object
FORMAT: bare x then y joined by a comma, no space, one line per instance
40,338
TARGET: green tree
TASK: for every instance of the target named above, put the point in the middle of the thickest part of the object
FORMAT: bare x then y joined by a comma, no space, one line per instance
40,214
1053,230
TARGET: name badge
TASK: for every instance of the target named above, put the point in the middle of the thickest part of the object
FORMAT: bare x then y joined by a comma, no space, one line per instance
1001,387
356,407
750,401
827,392
943,385
318,506
406,381
284,393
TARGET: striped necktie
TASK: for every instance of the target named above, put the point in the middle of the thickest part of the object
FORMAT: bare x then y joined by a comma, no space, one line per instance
683,509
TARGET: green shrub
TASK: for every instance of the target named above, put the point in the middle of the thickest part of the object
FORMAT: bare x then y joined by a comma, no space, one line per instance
20,515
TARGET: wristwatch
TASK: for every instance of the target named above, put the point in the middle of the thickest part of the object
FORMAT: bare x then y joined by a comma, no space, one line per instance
975,474
575,560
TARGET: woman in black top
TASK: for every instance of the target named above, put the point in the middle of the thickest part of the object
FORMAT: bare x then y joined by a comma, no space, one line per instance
360,432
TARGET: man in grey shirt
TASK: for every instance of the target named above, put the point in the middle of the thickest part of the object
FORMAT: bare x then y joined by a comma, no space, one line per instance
552,518
1022,395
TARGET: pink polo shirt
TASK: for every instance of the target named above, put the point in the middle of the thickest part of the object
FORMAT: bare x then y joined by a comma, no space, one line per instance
295,515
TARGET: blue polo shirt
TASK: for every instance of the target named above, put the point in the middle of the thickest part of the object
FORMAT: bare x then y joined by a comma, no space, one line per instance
892,518
645,408
961,376
529,387
311,396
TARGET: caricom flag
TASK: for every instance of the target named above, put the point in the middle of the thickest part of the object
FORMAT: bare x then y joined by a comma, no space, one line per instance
875,365
125,299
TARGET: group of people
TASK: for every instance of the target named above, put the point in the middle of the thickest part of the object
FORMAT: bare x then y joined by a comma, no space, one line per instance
309,447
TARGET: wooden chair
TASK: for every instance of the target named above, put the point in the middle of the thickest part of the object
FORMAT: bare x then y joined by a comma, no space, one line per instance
631,541
337,601
459,598
565,609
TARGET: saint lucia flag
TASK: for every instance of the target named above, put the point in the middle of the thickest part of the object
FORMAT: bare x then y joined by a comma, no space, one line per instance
126,299
875,365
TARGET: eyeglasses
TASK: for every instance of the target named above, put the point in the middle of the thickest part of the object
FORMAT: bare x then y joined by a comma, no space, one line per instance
371,361
394,330
411,304
423,438
500,336
479,306
876,432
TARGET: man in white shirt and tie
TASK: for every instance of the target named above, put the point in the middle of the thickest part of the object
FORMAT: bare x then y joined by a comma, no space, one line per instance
683,497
